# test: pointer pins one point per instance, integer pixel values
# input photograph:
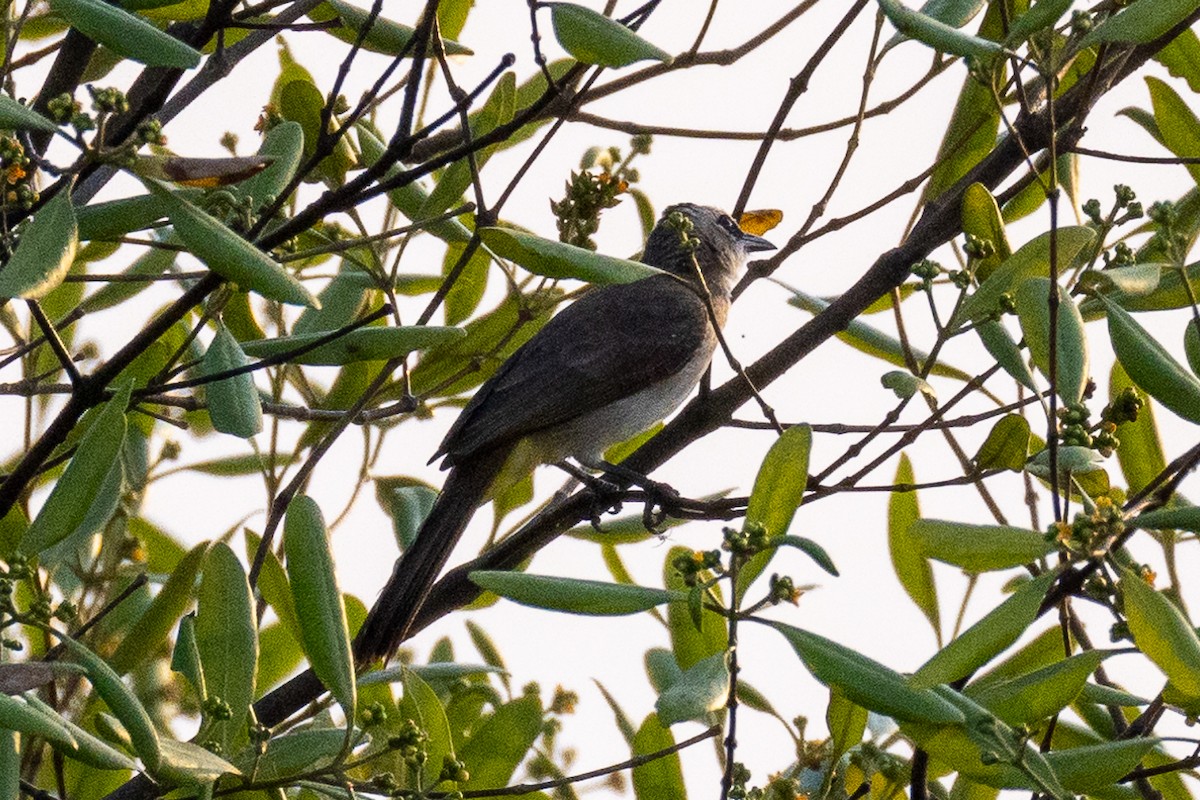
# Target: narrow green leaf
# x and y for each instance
(1176, 123)
(126, 34)
(1191, 345)
(702, 688)
(1187, 519)
(457, 178)
(188, 764)
(294, 753)
(811, 549)
(318, 600)
(909, 562)
(10, 764)
(284, 145)
(45, 251)
(558, 260)
(1094, 768)
(185, 657)
(937, 35)
(981, 219)
(421, 704)
(363, 344)
(593, 38)
(121, 700)
(661, 777)
(114, 218)
(89, 749)
(868, 339)
(144, 639)
(984, 640)
(1070, 346)
(17, 116)
(1042, 15)
(1032, 260)
(226, 641)
(978, 548)
(847, 723)
(500, 743)
(408, 503)
(619, 716)
(1136, 280)
(1006, 445)
(233, 403)
(1182, 58)
(573, 595)
(865, 681)
(778, 491)
(230, 255)
(1141, 22)
(1151, 367)
(692, 639)
(16, 715)
(81, 482)
(955, 13)
(1001, 347)
(384, 36)
(1163, 634)
(1037, 695)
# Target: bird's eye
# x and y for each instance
(730, 226)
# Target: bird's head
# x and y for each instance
(719, 245)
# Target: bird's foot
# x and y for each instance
(606, 495)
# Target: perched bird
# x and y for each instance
(607, 367)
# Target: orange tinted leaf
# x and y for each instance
(760, 220)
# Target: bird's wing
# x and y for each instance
(609, 344)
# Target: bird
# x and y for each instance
(607, 367)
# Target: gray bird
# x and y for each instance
(607, 367)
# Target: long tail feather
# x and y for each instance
(390, 621)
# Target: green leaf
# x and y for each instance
(500, 743)
(185, 657)
(294, 753)
(1187, 519)
(865, 681)
(16, 715)
(702, 688)
(1070, 345)
(226, 641)
(905, 384)
(978, 548)
(408, 503)
(981, 218)
(421, 704)
(88, 749)
(1136, 280)
(559, 260)
(1001, 347)
(1032, 260)
(497, 110)
(1151, 367)
(1041, 16)
(81, 482)
(187, 764)
(692, 639)
(17, 116)
(593, 38)
(44, 253)
(1006, 445)
(955, 13)
(229, 255)
(1181, 57)
(658, 778)
(467, 291)
(121, 700)
(1141, 22)
(1163, 634)
(284, 145)
(114, 218)
(143, 640)
(811, 549)
(1177, 124)
(318, 600)
(126, 34)
(909, 562)
(847, 723)
(1191, 345)
(384, 36)
(363, 344)
(984, 640)
(1033, 196)
(1037, 695)
(233, 403)
(868, 339)
(778, 491)
(937, 35)
(302, 102)
(574, 595)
